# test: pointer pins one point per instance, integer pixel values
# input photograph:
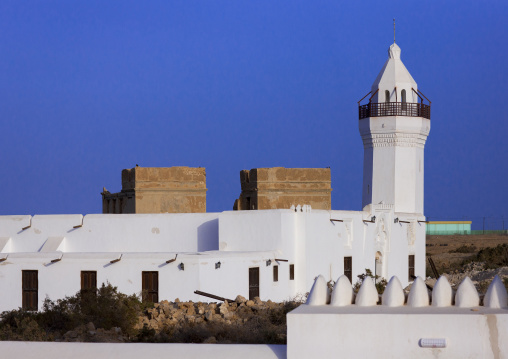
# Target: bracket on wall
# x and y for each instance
(57, 260)
(3, 259)
(172, 260)
(80, 225)
(397, 220)
(423, 221)
(336, 220)
(268, 262)
(372, 220)
(281, 260)
(30, 225)
(116, 260)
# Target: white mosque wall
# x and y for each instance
(113, 232)
(313, 241)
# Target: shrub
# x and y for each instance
(494, 257)
(464, 249)
(105, 307)
(380, 282)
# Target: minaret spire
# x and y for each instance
(394, 31)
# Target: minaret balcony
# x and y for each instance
(373, 109)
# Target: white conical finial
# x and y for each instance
(367, 295)
(418, 295)
(467, 295)
(342, 292)
(393, 296)
(319, 293)
(442, 293)
(496, 296)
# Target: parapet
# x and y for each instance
(159, 190)
(280, 188)
(423, 325)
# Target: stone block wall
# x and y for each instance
(158, 190)
(280, 188)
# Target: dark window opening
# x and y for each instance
(348, 268)
(253, 283)
(403, 99)
(387, 96)
(247, 202)
(291, 272)
(88, 280)
(411, 271)
(275, 273)
(30, 286)
(150, 286)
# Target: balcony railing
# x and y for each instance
(373, 109)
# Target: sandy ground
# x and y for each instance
(439, 247)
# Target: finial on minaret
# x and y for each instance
(394, 31)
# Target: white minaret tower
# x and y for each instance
(394, 126)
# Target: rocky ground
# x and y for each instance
(241, 321)
(452, 256)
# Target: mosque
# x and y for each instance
(281, 235)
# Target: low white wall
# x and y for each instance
(382, 332)
(37, 350)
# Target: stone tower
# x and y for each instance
(394, 126)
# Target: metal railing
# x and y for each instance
(373, 109)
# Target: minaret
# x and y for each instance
(394, 125)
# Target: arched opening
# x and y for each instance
(379, 265)
(403, 99)
(387, 96)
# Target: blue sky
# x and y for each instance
(91, 87)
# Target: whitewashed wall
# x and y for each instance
(306, 238)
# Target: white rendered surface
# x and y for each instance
(239, 240)
(393, 295)
(393, 145)
(342, 293)
(467, 295)
(319, 292)
(367, 295)
(418, 295)
(37, 350)
(442, 293)
(394, 77)
(496, 296)
(395, 332)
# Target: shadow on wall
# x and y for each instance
(208, 236)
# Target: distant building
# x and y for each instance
(281, 188)
(158, 190)
(449, 227)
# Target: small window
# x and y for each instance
(88, 280)
(348, 268)
(275, 273)
(387, 96)
(411, 271)
(403, 95)
(291, 272)
(150, 286)
(30, 287)
(247, 203)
